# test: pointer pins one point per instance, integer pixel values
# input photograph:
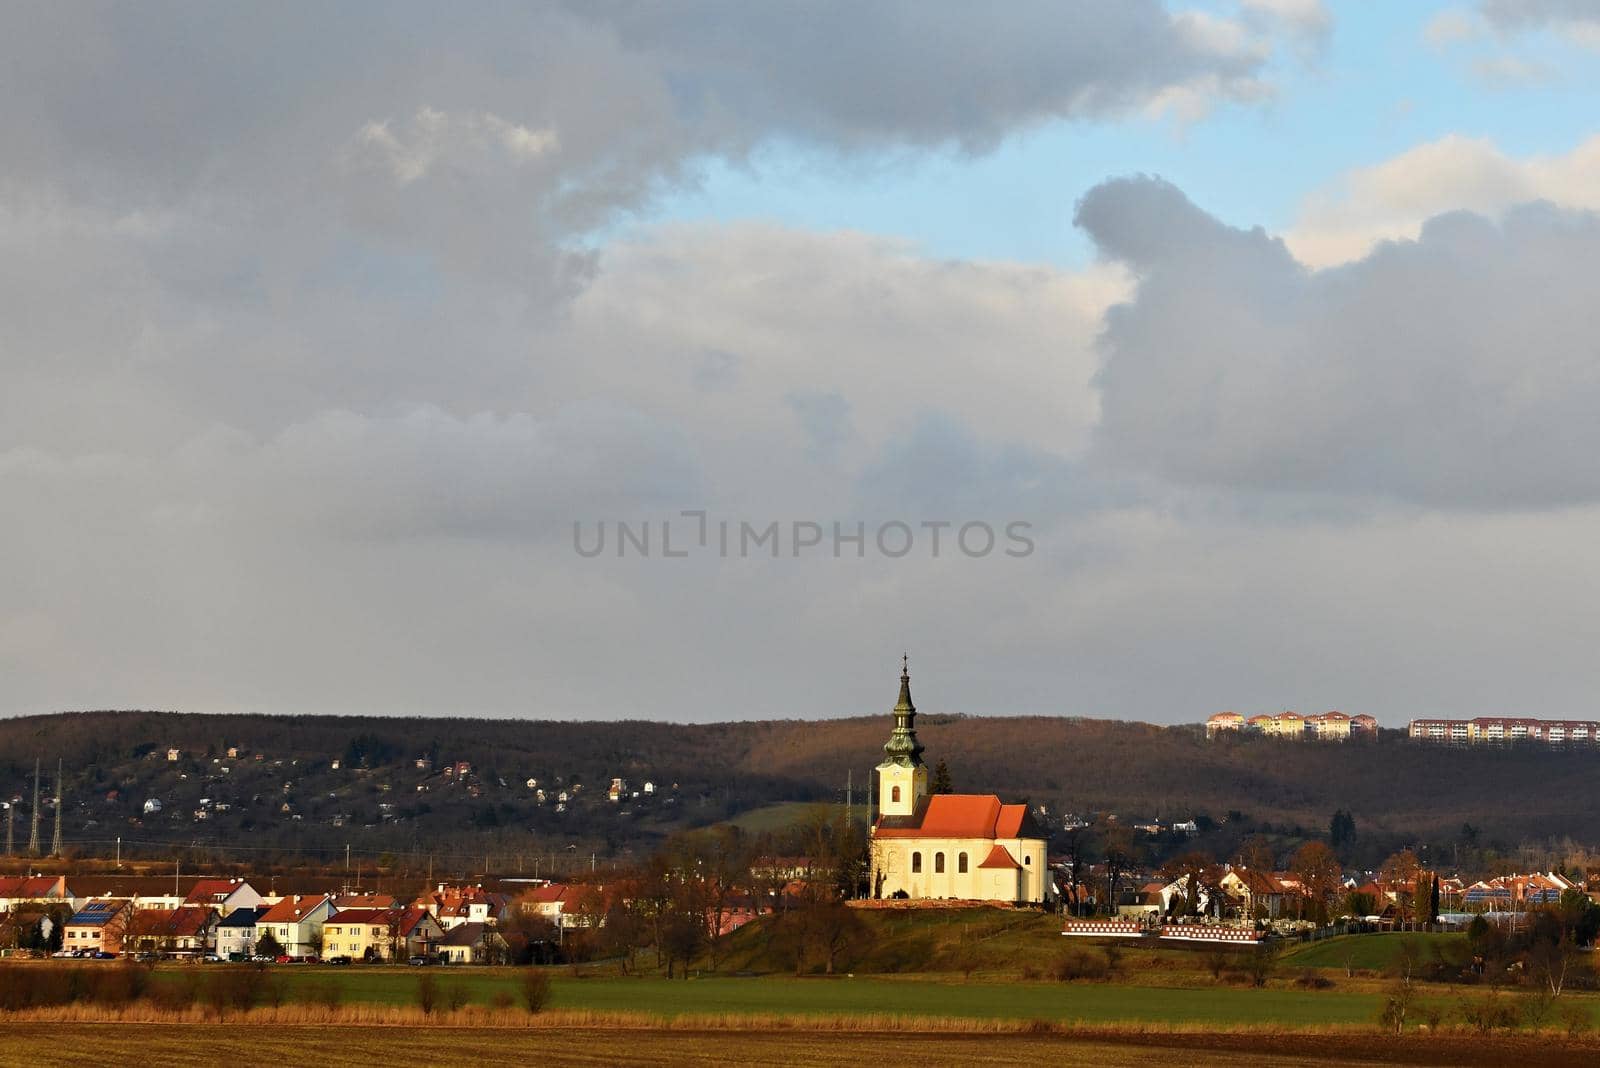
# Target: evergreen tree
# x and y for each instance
(941, 779)
(1341, 829)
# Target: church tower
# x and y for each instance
(902, 777)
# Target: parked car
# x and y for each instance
(103, 955)
(420, 961)
(338, 960)
(211, 958)
(263, 958)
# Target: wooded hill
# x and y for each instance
(116, 761)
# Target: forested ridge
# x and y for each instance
(115, 761)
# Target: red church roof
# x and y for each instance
(999, 858)
(958, 816)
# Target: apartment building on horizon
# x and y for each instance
(1504, 729)
(1327, 726)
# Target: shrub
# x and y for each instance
(1537, 1008)
(1311, 979)
(535, 989)
(427, 993)
(1080, 964)
(502, 999)
(1113, 952)
(1576, 1020)
(456, 996)
(1259, 966)
(1487, 1013)
(330, 994)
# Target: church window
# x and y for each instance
(938, 863)
(894, 794)
(961, 863)
(1027, 858)
(916, 863)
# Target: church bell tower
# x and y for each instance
(902, 777)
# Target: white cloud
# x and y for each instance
(460, 142)
(1391, 200)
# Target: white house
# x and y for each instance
(296, 922)
(236, 932)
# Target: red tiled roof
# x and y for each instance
(963, 816)
(209, 890)
(999, 858)
(1258, 882)
(411, 917)
(291, 909)
(361, 916)
(182, 922)
(545, 895)
(364, 901)
(29, 886)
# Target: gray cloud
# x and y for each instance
(1526, 14)
(1453, 370)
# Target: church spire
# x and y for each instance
(902, 748)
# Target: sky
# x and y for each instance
(695, 361)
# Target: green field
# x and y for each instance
(1370, 952)
(785, 815)
(844, 996)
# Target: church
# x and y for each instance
(969, 847)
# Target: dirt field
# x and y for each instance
(213, 1044)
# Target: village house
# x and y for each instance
(362, 934)
(456, 905)
(296, 923)
(18, 890)
(961, 846)
(550, 902)
(471, 943)
(419, 932)
(236, 932)
(185, 931)
(97, 926)
(224, 895)
(1257, 895)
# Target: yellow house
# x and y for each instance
(353, 932)
(967, 847)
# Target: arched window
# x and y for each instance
(938, 864)
(961, 863)
(894, 793)
(916, 863)
(1027, 858)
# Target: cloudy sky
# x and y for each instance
(324, 330)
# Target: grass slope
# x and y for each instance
(1371, 952)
